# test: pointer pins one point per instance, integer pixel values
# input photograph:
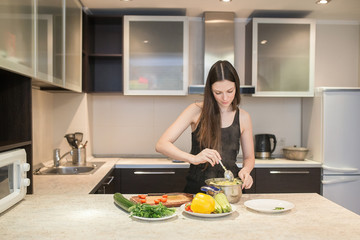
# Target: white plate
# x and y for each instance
(155, 219)
(269, 205)
(152, 219)
(212, 215)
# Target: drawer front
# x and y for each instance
(287, 180)
(106, 185)
(152, 180)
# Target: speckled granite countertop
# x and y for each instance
(61, 208)
(84, 216)
(72, 184)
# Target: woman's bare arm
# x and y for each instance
(247, 146)
(165, 144)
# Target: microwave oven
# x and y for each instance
(13, 180)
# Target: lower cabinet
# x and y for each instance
(150, 180)
(287, 180)
(165, 180)
(106, 185)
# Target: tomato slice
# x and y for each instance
(143, 200)
(164, 196)
(157, 201)
(163, 200)
(142, 196)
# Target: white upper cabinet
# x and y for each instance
(73, 45)
(50, 41)
(17, 36)
(155, 55)
(58, 44)
(42, 39)
(280, 56)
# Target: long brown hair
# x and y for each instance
(209, 134)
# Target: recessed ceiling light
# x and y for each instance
(125, 0)
(225, 0)
(322, 1)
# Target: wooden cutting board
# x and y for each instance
(173, 199)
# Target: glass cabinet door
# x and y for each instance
(17, 36)
(283, 57)
(155, 55)
(73, 39)
(49, 39)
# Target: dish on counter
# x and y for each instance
(212, 215)
(224, 182)
(155, 219)
(150, 219)
(269, 205)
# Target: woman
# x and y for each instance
(218, 127)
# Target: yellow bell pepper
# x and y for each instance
(203, 203)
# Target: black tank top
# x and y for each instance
(230, 144)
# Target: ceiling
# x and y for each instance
(335, 10)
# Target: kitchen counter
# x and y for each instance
(72, 184)
(285, 163)
(85, 216)
(68, 184)
(61, 208)
(166, 163)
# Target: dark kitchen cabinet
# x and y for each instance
(16, 117)
(102, 53)
(164, 180)
(287, 180)
(150, 180)
(106, 185)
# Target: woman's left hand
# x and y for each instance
(246, 179)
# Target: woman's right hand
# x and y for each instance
(207, 155)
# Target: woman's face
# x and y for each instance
(224, 92)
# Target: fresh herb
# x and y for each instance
(151, 211)
(279, 208)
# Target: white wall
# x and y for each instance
(131, 125)
(126, 125)
(337, 54)
(42, 121)
(54, 115)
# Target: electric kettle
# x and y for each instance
(264, 147)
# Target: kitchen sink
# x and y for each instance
(89, 168)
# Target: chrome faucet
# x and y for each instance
(57, 157)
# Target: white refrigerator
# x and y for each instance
(331, 131)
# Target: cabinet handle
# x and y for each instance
(289, 172)
(153, 173)
(109, 181)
